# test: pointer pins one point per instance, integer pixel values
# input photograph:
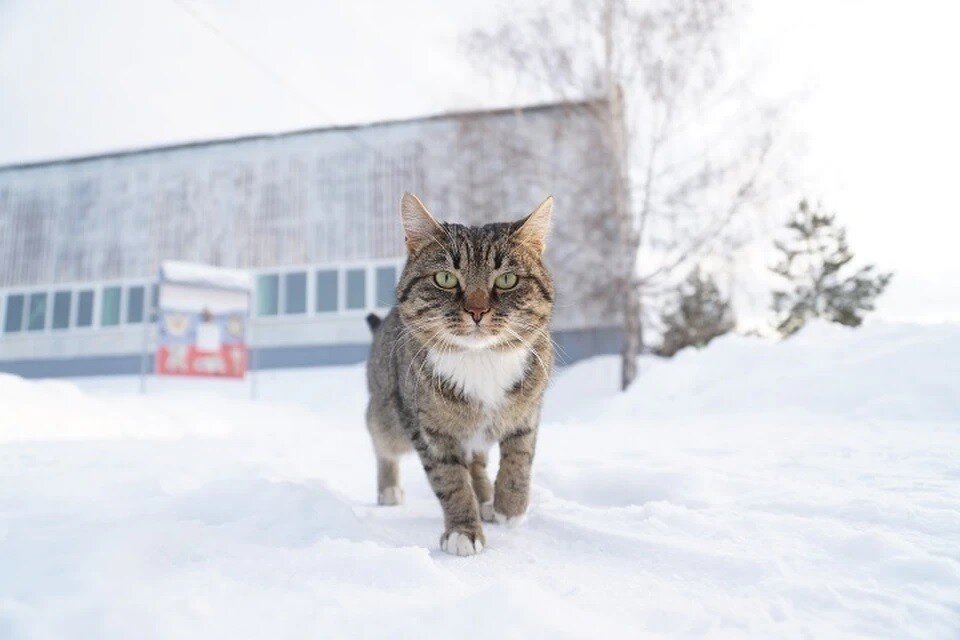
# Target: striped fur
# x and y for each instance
(448, 386)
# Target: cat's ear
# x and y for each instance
(419, 227)
(532, 230)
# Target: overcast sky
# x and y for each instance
(879, 119)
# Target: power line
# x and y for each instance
(278, 78)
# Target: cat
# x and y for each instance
(460, 363)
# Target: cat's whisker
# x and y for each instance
(433, 338)
(545, 334)
(543, 365)
(541, 332)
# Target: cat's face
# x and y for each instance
(474, 287)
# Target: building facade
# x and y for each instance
(312, 214)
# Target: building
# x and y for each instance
(312, 214)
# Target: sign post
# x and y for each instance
(203, 319)
(143, 352)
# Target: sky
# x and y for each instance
(873, 89)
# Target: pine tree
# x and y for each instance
(815, 257)
(699, 314)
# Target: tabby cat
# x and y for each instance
(461, 363)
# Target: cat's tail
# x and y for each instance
(373, 321)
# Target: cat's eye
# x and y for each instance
(445, 279)
(506, 281)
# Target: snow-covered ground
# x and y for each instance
(803, 489)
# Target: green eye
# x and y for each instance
(506, 281)
(445, 279)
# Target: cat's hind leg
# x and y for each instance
(389, 491)
(388, 445)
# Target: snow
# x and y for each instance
(205, 275)
(809, 488)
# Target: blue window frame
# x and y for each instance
(356, 288)
(85, 308)
(268, 295)
(327, 288)
(61, 309)
(37, 317)
(110, 307)
(13, 320)
(154, 301)
(295, 293)
(135, 298)
(386, 282)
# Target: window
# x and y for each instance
(135, 304)
(295, 292)
(37, 319)
(154, 301)
(85, 308)
(356, 289)
(386, 286)
(327, 290)
(61, 309)
(13, 321)
(110, 307)
(268, 298)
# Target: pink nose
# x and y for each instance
(476, 312)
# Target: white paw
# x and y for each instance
(390, 496)
(509, 521)
(460, 544)
(486, 511)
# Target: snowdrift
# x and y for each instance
(876, 372)
(751, 489)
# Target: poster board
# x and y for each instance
(203, 317)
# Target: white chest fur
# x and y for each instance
(483, 375)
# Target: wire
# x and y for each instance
(277, 77)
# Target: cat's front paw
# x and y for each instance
(462, 543)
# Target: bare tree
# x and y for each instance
(686, 145)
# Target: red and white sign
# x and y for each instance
(203, 313)
(227, 362)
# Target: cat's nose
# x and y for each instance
(476, 303)
(476, 312)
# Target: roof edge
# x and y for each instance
(121, 153)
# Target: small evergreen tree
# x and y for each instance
(698, 314)
(813, 256)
